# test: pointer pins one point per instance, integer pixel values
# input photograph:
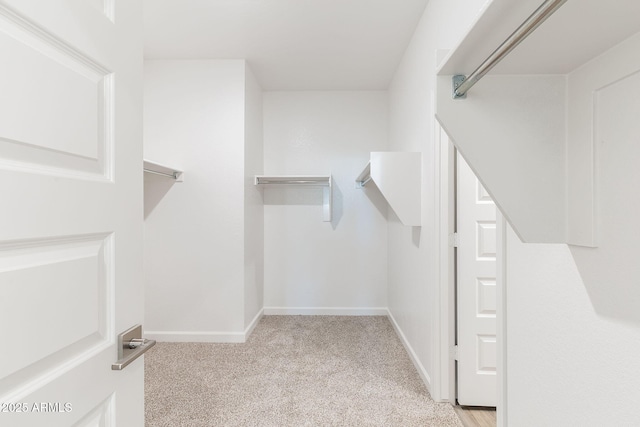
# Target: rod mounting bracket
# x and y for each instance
(456, 82)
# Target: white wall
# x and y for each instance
(254, 208)
(313, 266)
(413, 267)
(564, 355)
(194, 241)
(573, 322)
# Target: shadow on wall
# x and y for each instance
(155, 188)
(305, 196)
(611, 271)
(337, 205)
(373, 193)
(612, 282)
(416, 234)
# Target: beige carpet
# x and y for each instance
(292, 371)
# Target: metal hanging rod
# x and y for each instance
(364, 181)
(293, 180)
(290, 181)
(462, 84)
(169, 175)
(364, 177)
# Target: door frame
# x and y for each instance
(443, 384)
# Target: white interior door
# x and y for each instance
(71, 217)
(476, 290)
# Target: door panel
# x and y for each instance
(45, 275)
(476, 290)
(64, 91)
(71, 185)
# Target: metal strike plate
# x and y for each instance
(131, 345)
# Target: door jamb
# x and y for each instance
(443, 304)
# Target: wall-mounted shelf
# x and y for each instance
(398, 176)
(162, 170)
(323, 181)
(529, 128)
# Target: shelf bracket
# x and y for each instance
(162, 170)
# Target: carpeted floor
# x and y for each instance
(292, 371)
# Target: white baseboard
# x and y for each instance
(412, 354)
(325, 311)
(253, 324)
(213, 337)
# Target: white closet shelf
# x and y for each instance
(162, 170)
(548, 50)
(323, 181)
(527, 129)
(398, 176)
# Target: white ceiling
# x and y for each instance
(289, 44)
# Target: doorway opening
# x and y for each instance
(484, 298)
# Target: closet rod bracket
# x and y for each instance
(457, 80)
(360, 184)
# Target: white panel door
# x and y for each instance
(476, 290)
(71, 217)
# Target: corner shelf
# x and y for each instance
(162, 170)
(323, 181)
(398, 176)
